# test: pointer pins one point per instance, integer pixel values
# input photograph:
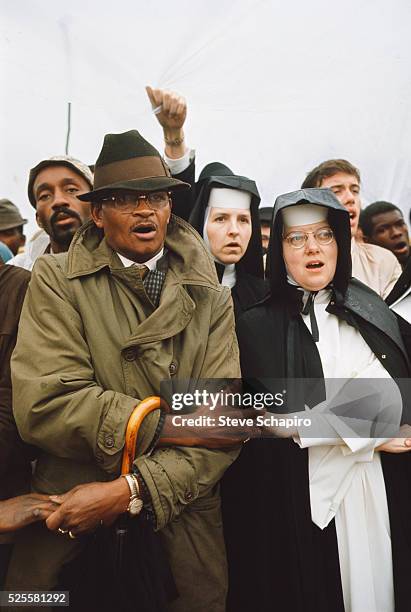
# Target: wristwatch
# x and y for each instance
(135, 505)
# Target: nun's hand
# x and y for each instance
(83, 508)
(223, 427)
(402, 444)
(275, 425)
(215, 419)
(17, 512)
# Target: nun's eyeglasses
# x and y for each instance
(323, 236)
(128, 202)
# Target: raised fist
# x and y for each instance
(173, 112)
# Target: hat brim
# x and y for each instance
(148, 184)
(265, 217)
(8, 226)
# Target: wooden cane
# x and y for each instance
(136, 418)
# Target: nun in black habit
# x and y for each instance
(334, 535)
(225, 214)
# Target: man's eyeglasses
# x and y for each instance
(298, 240)
(128, 202)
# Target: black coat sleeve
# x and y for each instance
(183, 200)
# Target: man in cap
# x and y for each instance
(135, 301)
(53, 187)
(374, 266)
(11, 226)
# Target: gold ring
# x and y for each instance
(71, 535)
(62, 531)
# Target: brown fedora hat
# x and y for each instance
(128, 161)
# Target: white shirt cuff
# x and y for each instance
(181, 163)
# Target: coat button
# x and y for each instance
(383, 356)
(332, 303)
(188, 496)
(109, 441)
(172, 368)
(129, 354)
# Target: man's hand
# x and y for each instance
(174, 108)
(402, 444)
(171, 114)
(84, 508)
(18, 512)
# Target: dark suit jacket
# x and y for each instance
(398, 290)
(14, 455)
(401, 285)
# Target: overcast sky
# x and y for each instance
(273, 88)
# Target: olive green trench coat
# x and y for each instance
(90, 346)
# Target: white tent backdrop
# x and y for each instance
(273, 87)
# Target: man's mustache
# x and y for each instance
(64, 213)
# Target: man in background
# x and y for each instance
(11, 226)
(17, 507)
(265, 214)
(371, 264)
(383, 224)
(54, 185)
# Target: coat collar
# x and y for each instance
(189, 263)
(189, 258)
(365, 303)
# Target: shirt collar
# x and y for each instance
(151, 263)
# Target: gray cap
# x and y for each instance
(10, 215)
(58, 160)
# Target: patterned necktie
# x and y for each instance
(153, 282)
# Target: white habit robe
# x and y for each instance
(346, 478)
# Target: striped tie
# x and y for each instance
(142, 269)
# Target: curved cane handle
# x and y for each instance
(136, 418)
